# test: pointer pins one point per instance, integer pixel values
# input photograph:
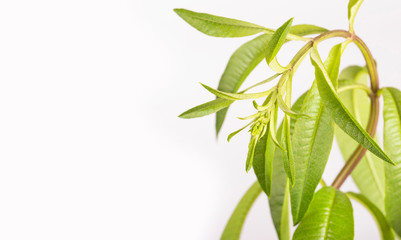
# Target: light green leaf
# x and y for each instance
(312, 141)
(289, 165)
(385, 229)
(339, 113)
(392, 144)
(220, 26)
(263, 161)
(277, 41)
(353, 7)
(206, 108)
(369, 173)
(236, 132)
(287, 110)
(330, 216)
(224, 27)
(233, 228)
(306, 29)
(269, 170)
(236, 96)
(251, 153)
(240, 65)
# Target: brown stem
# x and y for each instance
(374, 114)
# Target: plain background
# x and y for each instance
(90, 143)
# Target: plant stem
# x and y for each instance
(374, 96)
(374, 113)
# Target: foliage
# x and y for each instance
(289, 159)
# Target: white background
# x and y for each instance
(90, 143)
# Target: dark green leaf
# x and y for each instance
(206, 108)
(277, 41)
(233, 228)
(312, 141)
(306, 29)
(339, 113)
(385, 229)
(330, 216)
(392, 144)
(369, 173)
(240, 65)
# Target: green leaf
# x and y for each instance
(288, 111)
(289, 165)
(385, 229)
(279, 197)
(339, 113)
(240, 65)
(277, 41)
(236, 96)
(368, 175)
(263, 161)
(220, 26)
(312, 141)
(236, 132)
(206, 108)
(233, 228)
(306, 29)
(251, 153)
(269, 169)
(330, 216)
(392, 144)
(224, 27)
(353, 7)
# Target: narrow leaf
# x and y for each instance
(392, 144)
(220, 26)
(269, 169)
(240, 65)
(236, 96)
(289, 165)
(251, 153)
(353, 7)
(233, 228)
(369, 173)
(206, 108)
(339, 113)
(277, 41)
(312, 141)
(306, 29)
(287, 110)
(385, 229)
(263, 161)
(236, 132)
(330, 216)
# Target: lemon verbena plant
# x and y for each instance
(289, 158)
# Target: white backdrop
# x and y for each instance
(90, 143)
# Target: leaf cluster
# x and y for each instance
(289, 158)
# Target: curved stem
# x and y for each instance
(374, 96)
(374, 114)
